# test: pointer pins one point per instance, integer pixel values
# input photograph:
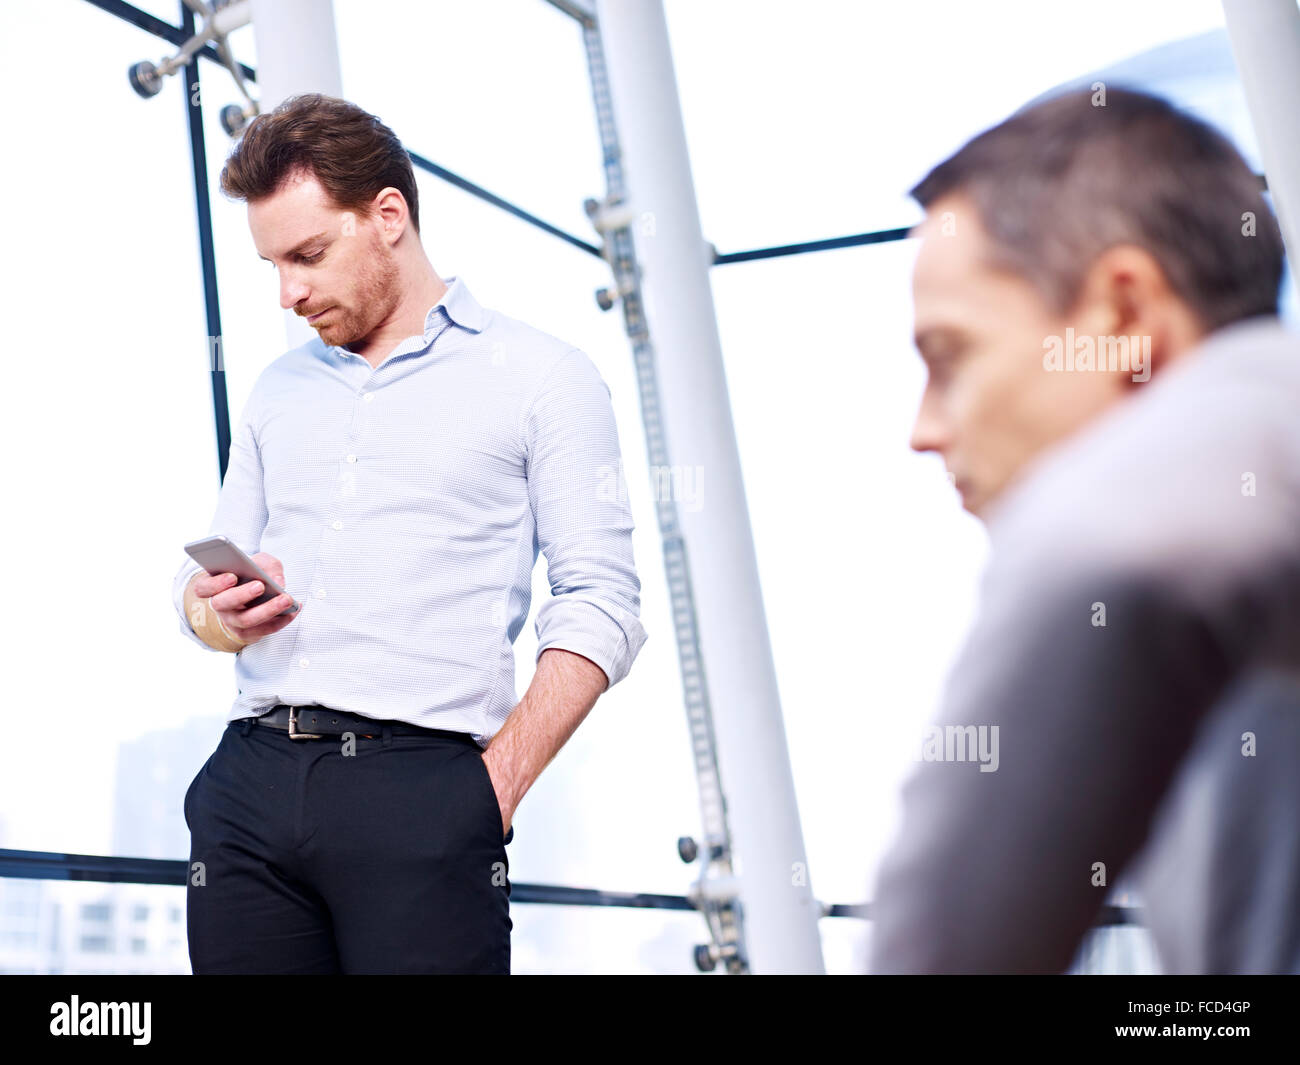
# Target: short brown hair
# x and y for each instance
(1060, 181)
(352, 154)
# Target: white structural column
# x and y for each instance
(780, 911)
(1265, 37)
(297, 52)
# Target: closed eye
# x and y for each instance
(940, 370)
(309, 259)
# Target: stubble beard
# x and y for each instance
(377, 296)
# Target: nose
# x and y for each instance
(929, 432)
(292, 290)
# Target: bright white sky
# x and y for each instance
(804, 121)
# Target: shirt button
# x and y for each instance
(320, 593)
(337, 525)
(369, 396)
(302, 662)
(352, 458)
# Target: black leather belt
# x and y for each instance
(317, 722)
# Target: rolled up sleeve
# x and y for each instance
(583, 521)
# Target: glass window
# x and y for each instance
(814, 124)
(800, 126)
(112, 307)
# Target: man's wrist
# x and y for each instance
(206, 622)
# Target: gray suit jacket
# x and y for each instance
(1139, 613)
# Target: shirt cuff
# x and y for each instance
(608, 636)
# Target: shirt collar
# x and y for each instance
(459, 305)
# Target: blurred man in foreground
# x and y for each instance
(1096, 299)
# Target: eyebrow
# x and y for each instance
(298, 247)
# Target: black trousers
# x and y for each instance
(305, 858)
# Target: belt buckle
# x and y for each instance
(294, 734)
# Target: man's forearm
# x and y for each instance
(564, 689)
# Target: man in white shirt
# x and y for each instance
(1095, 300)
(398, 475)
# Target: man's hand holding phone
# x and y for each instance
(230, 601)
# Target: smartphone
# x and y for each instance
(218, 554)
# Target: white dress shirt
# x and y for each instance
(408, 503)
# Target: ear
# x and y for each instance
(1125, 290)
(1129, 294)
(391, 213)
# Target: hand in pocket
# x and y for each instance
(487, 770)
